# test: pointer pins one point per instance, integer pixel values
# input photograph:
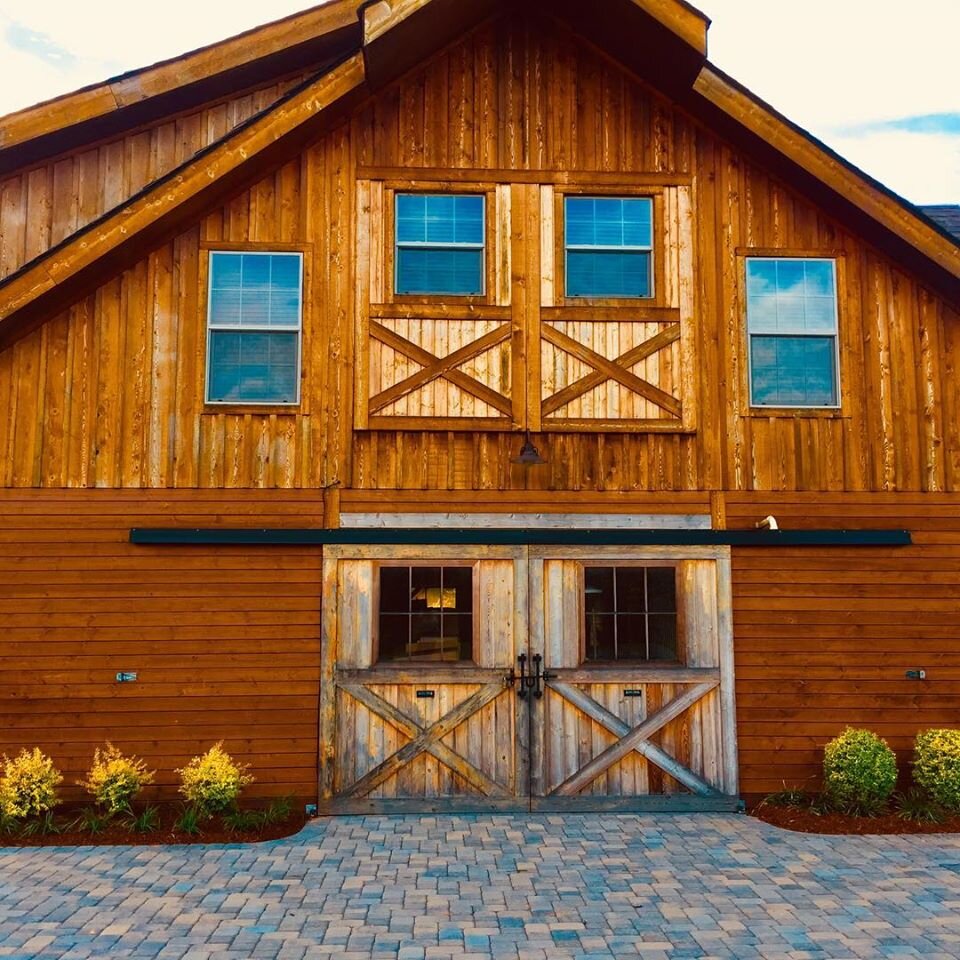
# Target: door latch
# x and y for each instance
(527, 682)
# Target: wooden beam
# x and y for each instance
(73, 268)
(434, 733)
(645, 748)
(590, 771)
(161, 79)
(760, 119)
(436, 748)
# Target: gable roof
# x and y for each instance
(314, 37)
(663, 41)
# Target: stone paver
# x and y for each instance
(476, 887)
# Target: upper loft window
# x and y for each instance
(609, 247)
(792, 326)
(254, 321)
(630, 613)
(440, 244)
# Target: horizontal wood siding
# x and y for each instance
(110, 393)
(823, 638)
(225, 641)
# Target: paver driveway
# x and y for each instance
(492, 886)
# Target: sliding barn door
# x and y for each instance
(416, 714)
(638, 673)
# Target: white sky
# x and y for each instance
(856, 73)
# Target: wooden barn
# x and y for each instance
(469, 404)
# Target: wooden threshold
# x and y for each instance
(661, 803)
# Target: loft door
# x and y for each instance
(416, 713)
(478, 678)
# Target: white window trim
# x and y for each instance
(254, 328)
(608, 248)
(427, 245)
(835, 334)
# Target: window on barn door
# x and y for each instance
(630, 613)
(440, 246)
(792, 328)
(426, 613)
(608, 245)
(254, 325)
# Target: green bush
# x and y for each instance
(212, 783)
(859, 772)
(29, 784)
(115, 780)
(936, 766)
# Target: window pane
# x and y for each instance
(394, 635)
(761, 277)
(663, 636)
(762, 309)
(395, 589)
(459, 581)
(608, 222)
(285, 271)
(253, 367)
(425, 589)
(599, 636)
(631, 637)
(256, 272)
(445, 271)
(607, 274)
(411, 218)
(790, 277)
(661, 589)
(631, 590)
(794, 371)
(819, 280)
(598, 587)
(225, 307)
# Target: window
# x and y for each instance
(609, 243)
(426, 613)
(630, 613)
(440, 244)
(253, 323)
(792, 326)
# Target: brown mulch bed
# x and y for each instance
(213, 831)
(805, 821)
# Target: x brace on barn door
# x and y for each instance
(530, 686)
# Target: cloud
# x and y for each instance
(40, 45)
(928, 123)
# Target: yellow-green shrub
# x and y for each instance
(936, 765)
(859, 771)
(114, 780)
(29, 784)
(213, 782)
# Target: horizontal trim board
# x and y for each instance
(526, 521)
(521, 536)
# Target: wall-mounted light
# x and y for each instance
(529, 455)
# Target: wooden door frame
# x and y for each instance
(529, 614)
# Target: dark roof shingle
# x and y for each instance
(947, 215)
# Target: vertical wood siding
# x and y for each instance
(44, 205)
(110, 393)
